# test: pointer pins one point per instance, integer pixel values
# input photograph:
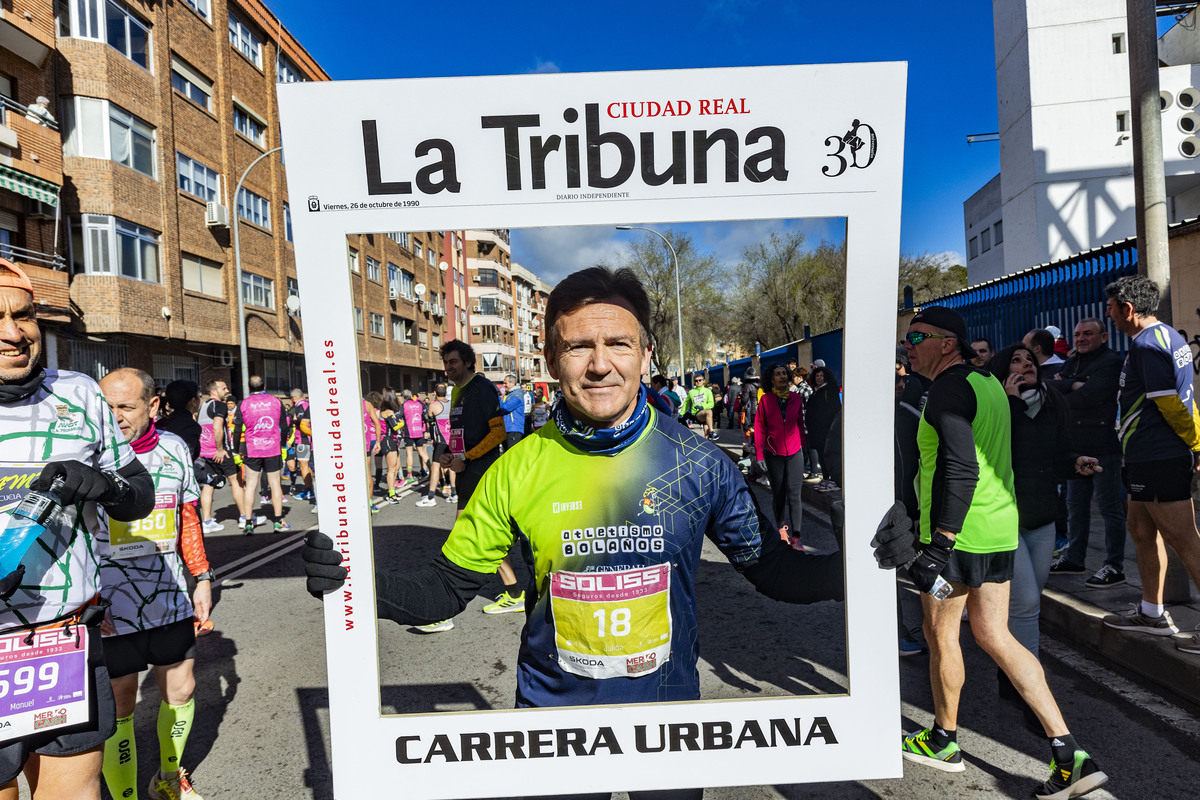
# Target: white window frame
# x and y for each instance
(131, 21)
(374, 273)
(287, 222)
(256, 288)
(243, 39)
(376, 324)
(88, 19)
(101, 238)
(197, 174)
(194, 83)
(249, 125)
(209, 275)
(254, 208)
(202, 7)
(358, 319)
(399, 237)
(99, 144)
(352, 257)
(286, 70)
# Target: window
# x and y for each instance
(376, 324)
(249, 125)
(97, 359)
(102, 245)
(1118, 43)
(195, 178)
(245, 40)
(403, 330)
(191, 84)
(431, 257)
(973, 248)
(490, 305)
(253, 208)
(985, 240)
(277, 374)
(358, 319)
(126, 139)
(176, 368)
(491, 361)
(258, 291)
(287, 222)
(202, 275)
(437, 340)
(352, 256)
(999, 229)
(202, 8)
(489, 277)
(416, 249)
(1122, 121)
(293, 290)
(373, 271)
(406, 282)
(286, 71)
(424, 338)
(399, 238)
(106, 21)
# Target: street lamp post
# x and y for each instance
(237, 261)
(678, 301)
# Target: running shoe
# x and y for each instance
(314, 508)
(1135, 620)
(812, 477)
(212, 526)
(506, 604)
(453, 498)
(1189, 645)
(911, 647)
(174, 787)
(374, 508)
(1060, 566)
(916, 748)
(426, 502)
(241, 522)
(248, 529)
(435, 627)
(391, 498)
(1106, 577)
(282, 526)
(1075, 781)
(266, 499)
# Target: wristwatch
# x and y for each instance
(207, 575)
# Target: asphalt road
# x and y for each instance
(261, 727)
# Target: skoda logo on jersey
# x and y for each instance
(650, 501)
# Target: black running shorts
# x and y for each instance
(976, 569)
(265, 464)
(1164, 481)
(158, 647)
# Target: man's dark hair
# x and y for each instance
(464, 350)
(179, 393)
(256, 383)
(1137, 290)
(596, 285)
(986, 341)
(1042, 339)
(658, 379)
(212, 385)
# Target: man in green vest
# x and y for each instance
(968, 535)
(700, 401)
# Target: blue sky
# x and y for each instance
(948, 47)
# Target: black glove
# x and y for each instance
(80, 483)
(930, 562)
(322, 565)
(762, 466)
(895, 538)
(10, 582)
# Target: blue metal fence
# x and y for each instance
(1059, 293)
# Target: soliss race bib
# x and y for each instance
(612, 624)
(43, 681)
(154, 534)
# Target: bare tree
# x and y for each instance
(930, 276)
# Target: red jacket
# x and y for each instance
(776, 433)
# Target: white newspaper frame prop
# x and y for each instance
(413, 155)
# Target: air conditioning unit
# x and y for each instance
(393, 293)
(475, 330)
(425, 305)
(475, 279)
(40, 210)
(216, 215)
(224, 357)
(475, 309)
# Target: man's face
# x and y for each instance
(220, 391)
(509, 384)
(983, 353)
(456, 371)
(1088, 337)
(20, 336)
(599, 361)
(1122, 316)
(925, 357)
(1037, 351)
(124, 396)
(698, 382)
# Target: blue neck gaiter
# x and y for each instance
(603, 441)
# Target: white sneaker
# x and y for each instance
(212, 526)
(314, 508)
(426, 502)
(435, 627)
(259, 519)
(241, 522)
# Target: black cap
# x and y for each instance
(948, 320)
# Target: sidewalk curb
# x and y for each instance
(1151, 657)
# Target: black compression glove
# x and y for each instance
(322, 565)
(895, 539)
(81, 483)
(10, 582)
(762, 466)
(930, 562)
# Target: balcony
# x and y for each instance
(34, 148)
(51, 283)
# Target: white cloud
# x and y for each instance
(554, 253)
(952, 257)
(545, 66)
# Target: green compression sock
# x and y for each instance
(174, 725)
(120, 761)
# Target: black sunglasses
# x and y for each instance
(916, 337)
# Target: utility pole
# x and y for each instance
(1150, 189)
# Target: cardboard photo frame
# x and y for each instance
(567, 149)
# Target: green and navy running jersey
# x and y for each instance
(612, 543)
(66, 419)
(150, 590)
(1159, 364)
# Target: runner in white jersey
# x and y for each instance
(52, 424)
(265, 425)
(150, 619)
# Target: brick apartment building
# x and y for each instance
(117, 199)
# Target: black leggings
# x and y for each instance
(786, 474)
